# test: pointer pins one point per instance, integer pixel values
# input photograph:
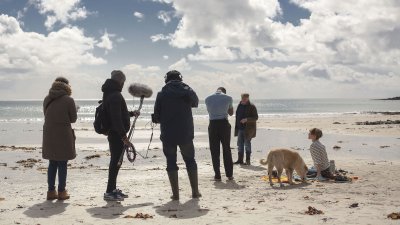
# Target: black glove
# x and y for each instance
(154, 119)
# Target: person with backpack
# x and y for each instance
(58, 144)
(118, 122)
(173, 110)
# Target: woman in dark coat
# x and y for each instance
(58, 136)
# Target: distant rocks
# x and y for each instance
(394, 98)
(386, 113)
(379, 122)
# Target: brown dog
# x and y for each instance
(285, 159)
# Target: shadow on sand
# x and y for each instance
(230, 184)
(174, 209)
(46, 209)
(254, 168)
(289, 187)
(112, 210)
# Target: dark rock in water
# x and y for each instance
(386, 113)
(394, 98)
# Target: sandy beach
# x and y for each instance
(369, 152)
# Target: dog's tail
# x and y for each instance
(263, 161)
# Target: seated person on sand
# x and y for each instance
(319, 155)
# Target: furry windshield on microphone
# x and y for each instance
(140, 90)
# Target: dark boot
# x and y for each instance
(248, 158)
(194, 183)
(173, 179)
(240, 159)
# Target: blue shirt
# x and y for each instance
(218, 105)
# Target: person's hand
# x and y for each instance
(126, 141)
(135, 113)
(243, 120)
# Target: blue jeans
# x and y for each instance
(242, 143)
(61, 166)
(187, 151)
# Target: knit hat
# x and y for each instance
(118, 76)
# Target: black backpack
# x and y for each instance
(101, 123)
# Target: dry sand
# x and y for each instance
(372, 153)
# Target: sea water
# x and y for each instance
(32, 110)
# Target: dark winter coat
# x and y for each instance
(59, 112)
(173, 110)
(250, 129)
(115, 107)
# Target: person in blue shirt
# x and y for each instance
(219, 106)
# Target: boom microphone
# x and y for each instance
(140, 90)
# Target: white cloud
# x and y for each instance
(341, 44)
(165, 57)
(236, 23)
(105, 42)
(137, 69)
(213, 53)
(138, 15)
(180, 65)
(164, 16)
(60, 11)
(159, 37)
(66, 48)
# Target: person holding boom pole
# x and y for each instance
(119, 121)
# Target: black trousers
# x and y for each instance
(116, 149)
(187, 151)
(219, 132)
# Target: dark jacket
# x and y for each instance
(59, 112)
(251, 128)
(115, 107)
(173, 110)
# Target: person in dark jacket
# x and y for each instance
(58, 136)
(119, 119)
(173, 110)
(245, 127)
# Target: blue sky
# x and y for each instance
(269, 48)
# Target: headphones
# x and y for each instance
(173, 75)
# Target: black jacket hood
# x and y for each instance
(109, 87)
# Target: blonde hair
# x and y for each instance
(317, 132)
